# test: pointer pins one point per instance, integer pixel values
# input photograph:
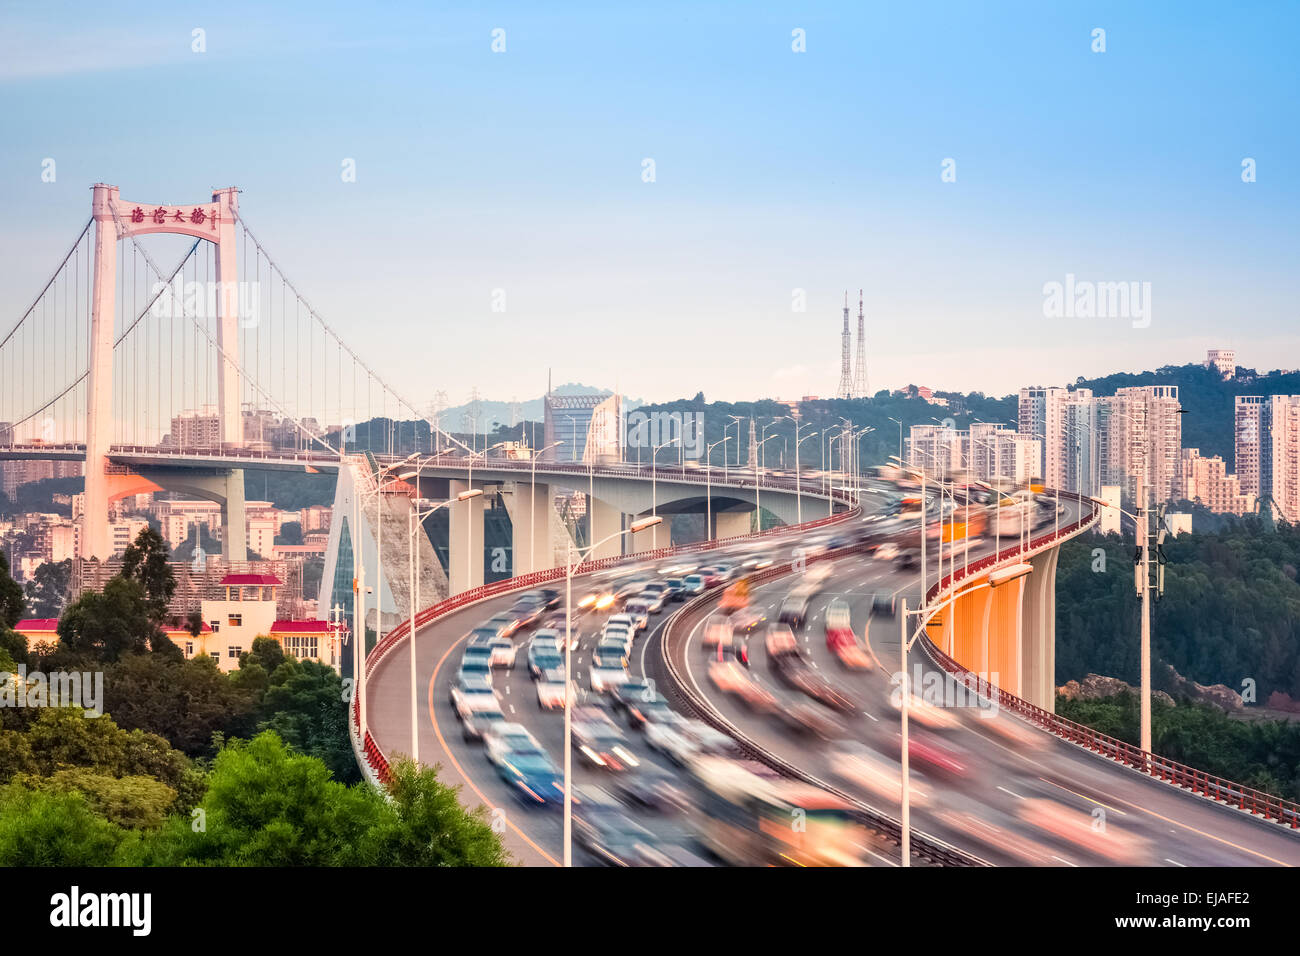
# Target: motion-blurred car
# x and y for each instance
(605, 679)
(505, 623)
(854, 763)
(806, 717)
(676, 589)
(809, 682)
(794, 609)
(717, 632)
(476, 665)
(654, 594)
(556, 633)
(653, 789)
(634, 690)
(748, 620)
(536, 780)
(612, 651)
(505, 737)
(477, 715)
(602, 742)
(550, 689)
(618, 622)
(544, 657)
(936, 757)
(730, 677)
(841, 641)
(546, 597)
(642, 712)
(924, 713)
(693, 585)
(639, 611)
(503, 653)
(602, 828)
(882, 602)
(1076, 827)
(473, 691)
(524, 614)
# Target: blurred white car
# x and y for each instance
(605, 679)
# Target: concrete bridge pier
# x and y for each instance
(729, 524)
(1038, 648)
(465, 540)
(234, 526)
(532, 513)
(605, 520)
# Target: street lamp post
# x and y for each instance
(414, 521)
(532, 503)
(995, 579)
(708, 483)
(758, 499)
(469, 558)
(570, 569)
(798, 491)
(900, 437)
(654, 490)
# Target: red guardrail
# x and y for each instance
(375, 756)
(1234, 794)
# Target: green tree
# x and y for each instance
(307, 710)
(427, 826)
(133, 802)
(267, 806)
(184, 702)
(47, 591)
(38, 828)
(105, 625)
(145, 560)
(11, 595)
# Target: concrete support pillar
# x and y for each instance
(531, 522)
(729, 524)
(465, 540)
(234, 534)
(1005, 637)
(605, 520)
(1038, 663)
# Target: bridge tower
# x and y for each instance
(117, 219)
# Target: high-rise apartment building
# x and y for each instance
(1140, 436)
(1042, 416)
(1206, 481)
(1268, 450)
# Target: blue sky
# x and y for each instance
(775, 171)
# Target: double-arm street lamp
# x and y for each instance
(532, 504)
(758, 499)
(995, 579)
(798, 491)
(569, 684)
(654, 489)
(708, 483)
